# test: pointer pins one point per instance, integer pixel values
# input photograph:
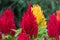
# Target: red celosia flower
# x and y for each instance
(23, 36)
(29, 24)
(58, 25)
(52, 27)
(7, 22)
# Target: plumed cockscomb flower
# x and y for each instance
(52, 28)
(38, 13)
(7, 22)
(29, 24)
(22, 36)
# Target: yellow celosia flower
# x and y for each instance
(38, 13)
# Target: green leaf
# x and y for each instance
(17, 32)
(3, 37)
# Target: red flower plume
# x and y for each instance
(28, 23)
(7, 22)
(52, 28)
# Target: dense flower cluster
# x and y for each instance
(29, 24)
(38, 13)
(53, 27)
(23, 36)
(7, 22)
(31, 19)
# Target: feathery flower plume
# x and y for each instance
(28, 23)
(7, 22)
(38, 13)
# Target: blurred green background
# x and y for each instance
(20, 6)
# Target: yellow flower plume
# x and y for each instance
(38, 13)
